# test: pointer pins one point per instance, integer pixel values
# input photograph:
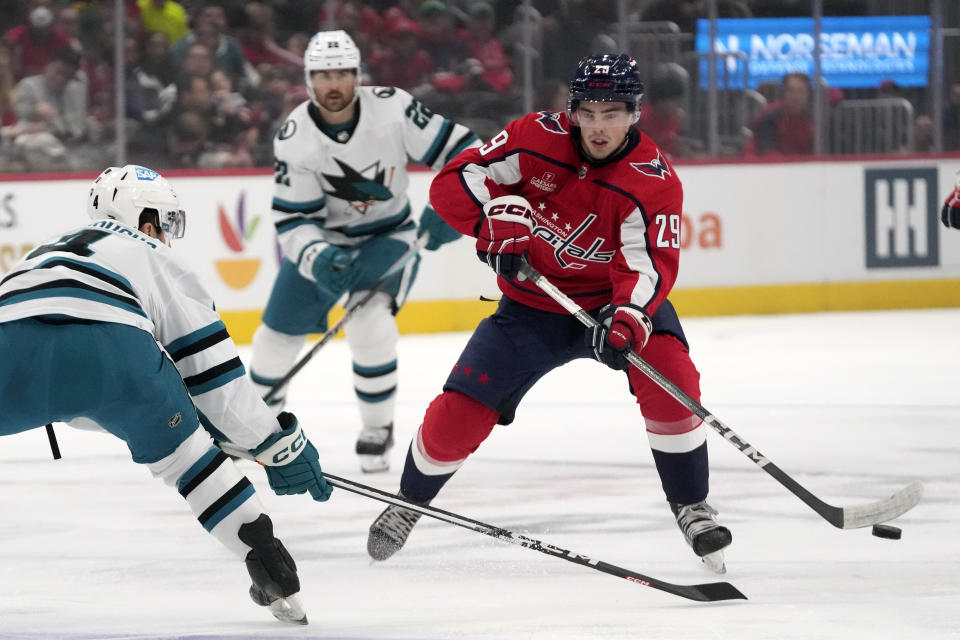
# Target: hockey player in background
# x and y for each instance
(86, 312)
(950, 214)
(343, 219)
(595, 207)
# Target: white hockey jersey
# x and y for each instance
(344, 191)
(109, 272)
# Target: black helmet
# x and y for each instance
(606, 78)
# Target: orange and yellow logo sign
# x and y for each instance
(237, 272)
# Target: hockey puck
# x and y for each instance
(886, 531)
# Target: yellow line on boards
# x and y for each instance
(437, 316)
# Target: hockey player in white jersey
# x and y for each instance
(81, 317)
(343, 219)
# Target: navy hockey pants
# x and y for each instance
(113, 374)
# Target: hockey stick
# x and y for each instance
(380, 285)
(52, 437)
(708, 592)
(840, 517)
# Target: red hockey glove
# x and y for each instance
(950, 215)
(620, 329)
(504, 234)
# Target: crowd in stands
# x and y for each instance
(208, 82)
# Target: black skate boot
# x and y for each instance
(273, 571)
(373, 448)
(700, 529)
(390, 530)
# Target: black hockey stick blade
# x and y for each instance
(841, 517)
(709, 592)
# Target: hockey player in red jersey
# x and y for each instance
(950, 214)
(595, 207)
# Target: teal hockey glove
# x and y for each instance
(440, 232)
(291, 461)
(335, 270)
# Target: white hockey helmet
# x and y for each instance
(123, 193)
(330, 50)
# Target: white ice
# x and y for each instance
(852, 405)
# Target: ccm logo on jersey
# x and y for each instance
(656, 168)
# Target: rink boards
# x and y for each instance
(757, 238)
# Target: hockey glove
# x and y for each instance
(504, 234)
(440, 232)
(620, 329)
(335, 270)
(291, 461)
(950, 215)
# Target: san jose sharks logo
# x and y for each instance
(656, 168)
(358, 189)
(550, 120)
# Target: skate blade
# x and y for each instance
(715, 562)
(289, 609)
(373, 464)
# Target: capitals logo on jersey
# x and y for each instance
(656, 168)
(356, 188)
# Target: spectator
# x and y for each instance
(255, 34)
(786, 126)
(403, 62)
(487, 67)
(51, 111)
(154, 94)
(198, 61)
(438, 34)
(662, 113)
(33, 44)
(68, 19)
(922, 134)
(166, 16)
(951, 119)
(210, 31)
(7, 82)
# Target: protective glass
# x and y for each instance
(601, 115)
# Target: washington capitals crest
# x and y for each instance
(656, 168)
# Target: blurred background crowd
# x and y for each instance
(205, 84)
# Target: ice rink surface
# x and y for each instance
(852, 405)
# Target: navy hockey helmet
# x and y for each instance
(607, 78)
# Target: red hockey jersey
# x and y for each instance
(605, 232)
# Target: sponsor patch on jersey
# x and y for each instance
(656, 168)
(545, 182)
(384, 92)
(287, 130)
(148, 175)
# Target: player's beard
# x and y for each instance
(335, 101)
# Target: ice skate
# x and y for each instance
(699, 526)
(273, 572)
(390, 530)
(373, 448)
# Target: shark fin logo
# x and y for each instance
(237, 272)
(357, 188)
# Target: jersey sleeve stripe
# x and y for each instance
(197, 341)
(465, 141)
(297, 221)
(108, 276)
(288, 206)
(68, 288)
(438, 143)
(215, 377)
(379, 226)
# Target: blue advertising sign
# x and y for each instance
(855, 52)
